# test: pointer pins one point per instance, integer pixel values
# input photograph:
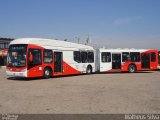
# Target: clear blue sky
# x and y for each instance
(113, 23)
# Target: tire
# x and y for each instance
(89, 70)
(132, 69)
(46, 73)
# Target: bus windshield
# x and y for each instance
(16, 56)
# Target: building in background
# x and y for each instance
(4, 44)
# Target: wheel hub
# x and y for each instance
(47, 72)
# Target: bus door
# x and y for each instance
(58, 62)
(116, 61)
(34, 62)
(145, 59)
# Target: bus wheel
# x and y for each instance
(89, 70)
(132, 68)
(46, 73)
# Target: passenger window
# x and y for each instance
(77, 56)
(135, 56)
(84, 57)
(35, 57)
(48, 56)
(153, 57)
(106, 57)
(90, 57)
(125, 57)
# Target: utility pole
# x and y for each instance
(88, 40)
(78, 39)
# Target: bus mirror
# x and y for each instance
(30, 57)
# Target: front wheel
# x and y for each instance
(89, 70)
(132, 68)
(46, 73)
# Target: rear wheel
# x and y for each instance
(89, 70)
(46, 73)
(132, 68)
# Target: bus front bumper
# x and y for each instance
(16, 74)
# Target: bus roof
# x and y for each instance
(123, 50)
(52, 44)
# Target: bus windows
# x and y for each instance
(106, 57)
(135, 56)
(125, 57)
(48, 56)
(90, 57)
(77, 56)
(35, 54)
(84, 57)
(153, 57)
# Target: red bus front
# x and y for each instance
(26, 61)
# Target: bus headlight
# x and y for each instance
(24, 70)
(7, 69)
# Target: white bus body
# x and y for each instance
(112, 60)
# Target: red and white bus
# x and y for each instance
(35, 57)
(131, 60)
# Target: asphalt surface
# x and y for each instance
(88, 94)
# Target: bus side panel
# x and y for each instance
(69, 65)
(104, 66)
(72, 67)
(36, 71)
(68, 69)
(154, 65)
(125, 66)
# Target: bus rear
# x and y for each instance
(131, 60)
(159, 60)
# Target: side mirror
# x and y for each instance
(30, 57)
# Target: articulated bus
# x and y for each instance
(35, 57)
(130, 60)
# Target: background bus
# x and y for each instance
(131, 60)
(34, 57)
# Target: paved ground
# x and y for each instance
(97, 93)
